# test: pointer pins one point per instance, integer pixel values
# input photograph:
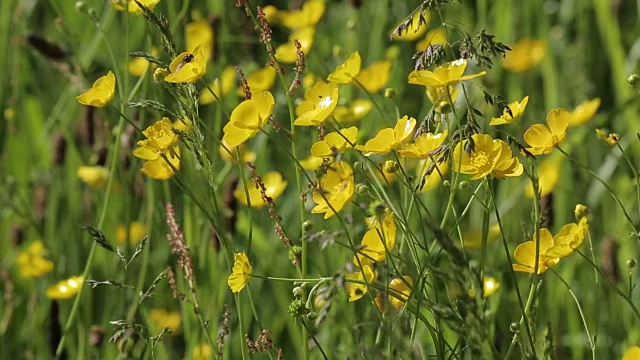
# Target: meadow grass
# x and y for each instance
(436, 278)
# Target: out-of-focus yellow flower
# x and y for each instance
(423, 145)
(355, 111)
(94, 176)
(568, 239)
(199, 33)
(434, 178)
(137, 231)
(489, 157)
(188, 67)
(228, 153)
(417, 27)
(337, 187)
(356, 290)
(335, 142)
(132, 7)
(311, 163)
(633, 353)
(525, 253)
(547, 177)
(260, 80)
(287, 53)
(309, 15)
(524, 55)
(543, 139)
(389, 139)
(65, 289)
(401, 291)
(248, 118)
(584, 112)
(31, 261)
(271, 13)
(580, 211)
(489, 286)
(101, 93)
(611, 139)
(442, 102)
(448, 74)
(513, 111)
(473, 239)
(376, 76)
(274, 186)
(159, 168)
(378, 240)
(345, 72)
(162, 319)
(184, 125)
(221, 86)
(241, 272)
(319, 102)
(308, 80)
(159, 139)
(202, 352)
(138, 65)
(434, 37)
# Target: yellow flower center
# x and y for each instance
(480, 159)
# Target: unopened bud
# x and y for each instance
(362, 189)
(633, 79)
(580, 211)
(390, 166)
(464, 185)
(631, 263)
(160, 74)
(307, 225)
(390, 93)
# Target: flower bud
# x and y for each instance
(514, 327)
(390, 166)
(81, 6)
(298, 291)
(390, 93)
(446, 183)
(631, 263)
(580, 211)
(307, 225)
(362, 189)
(160, 74)
(464, 185)
(312, 316)
(633, 79)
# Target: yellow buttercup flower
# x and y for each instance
(202, 352)
(309, 15)
(442, 101)
(248, 118)
(241, 272)
(345, 72)
(389, 139)
(632, 353)
(132, 7)
(356, 290)
(260, 80)
(548, 176)
(319, 102)
(401, 291)
(335, 142)
(417, 27)
(337, 187)
(434, 37)
(94, 176)
(287, 53)
(611, 139)
(525, 253)
(543, 139)
(569, 238)
(199, 33)
(448, 74)
(423, 145)
(489, 286)
(65, 289)
(378, 240)
(274, 186)
(228, 153)
(355, 111)
(162, 319)
(137, 231)
(159, 139)
(311, 163)
(376, 76)
(584, 112)
(101, 93)
(138, 66)
(512, 112)
(188, 67)
(221, 86)
(489, 157)
(31, 261)
(525, 54)
(159, 168)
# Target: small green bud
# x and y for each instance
(631, 263)
(514, 327)
(390, 93)
(362, 189)
(160, 74)
(446, 183)
(307, 225)
(92, 13)
(312, 316)
(633, 79)
(464, 185)
(390, 166)
(81, 6)
(298, 291)
(580, 211)
(445, 107)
